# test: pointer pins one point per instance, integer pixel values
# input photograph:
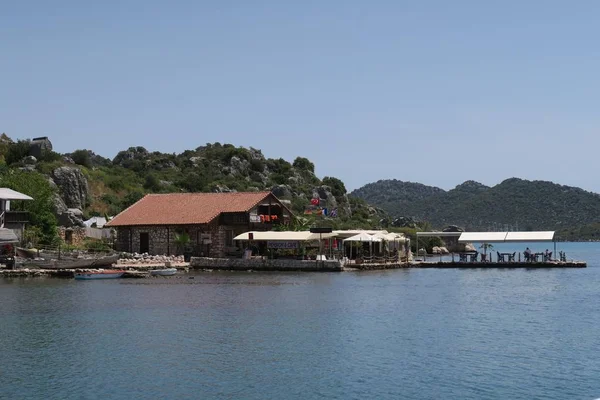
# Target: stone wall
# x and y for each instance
(162, 239)
(260, 264)
(74, 236)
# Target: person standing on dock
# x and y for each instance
(527, 254)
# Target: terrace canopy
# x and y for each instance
(363, 237)
(9, 194)
(7, 236)
(501, 237)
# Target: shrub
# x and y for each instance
(82, 157)
(337, 186)
(304, 164)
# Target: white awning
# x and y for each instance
(543, 236)
(485, 237)
(8, 236)
(9, 194)
(398, 237)
(354, 232)
(493, 237)
(288, 236)
(363, 237)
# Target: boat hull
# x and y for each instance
(164, 272)
(81, 263)
(108, 274)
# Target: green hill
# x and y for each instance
(513, 204)
(83, 180)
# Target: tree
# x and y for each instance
(152, 183)
(182, 239)
(304, 164)
(17, 151)
(337, 186)
(131, 198)
(41, 208)
(82, 157)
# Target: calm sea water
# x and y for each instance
(403, 334)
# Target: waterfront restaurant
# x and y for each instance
(293, 243)
(488, 238)
(337, 244)
(157, 223)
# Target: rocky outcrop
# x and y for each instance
(126, 157)
(239, 167)
(282, 191)
(72, 186)
(221, 189)
(39, 146)
(29, 160)
(72, 217)
(404, 222)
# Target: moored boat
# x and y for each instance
(101, 274)
(164, 272)
(73, 263)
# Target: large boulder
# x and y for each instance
(73, 217)
(404, 222)
(239, 167)
(39, 146)
(222, 189)
(72, 186)
(29, 160)
(282, 191)
(126, 158)
(327, 199)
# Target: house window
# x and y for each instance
(229, 238)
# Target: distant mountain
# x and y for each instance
(396, 195)
(514, 203)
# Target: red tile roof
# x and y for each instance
(186, 208)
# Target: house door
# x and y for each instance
(144, 242)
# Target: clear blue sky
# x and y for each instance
(431, 91)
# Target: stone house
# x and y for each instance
(211, 220)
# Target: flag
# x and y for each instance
(333, 213)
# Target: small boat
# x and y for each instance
(74, 263)
(164, 272)
(101, 274)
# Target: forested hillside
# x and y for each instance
(513, 204)
(71, 187)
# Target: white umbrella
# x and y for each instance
(364, 237)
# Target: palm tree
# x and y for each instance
(181, 241)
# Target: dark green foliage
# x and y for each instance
(40, 209)
(528, 205)
(82, 157)
(337, 186)
(17, 151)
(257, 165)
(131, 198)
(49, 156)
(279, 166)
(152, 183)
(304, 164)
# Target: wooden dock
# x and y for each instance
(467, 265)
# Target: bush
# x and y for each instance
(152, 183)
(41, 208)
(131, 198)
(337, 186)
(82, 157)
(16, 151)
(304, 164)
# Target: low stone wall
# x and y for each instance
(260, 264)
